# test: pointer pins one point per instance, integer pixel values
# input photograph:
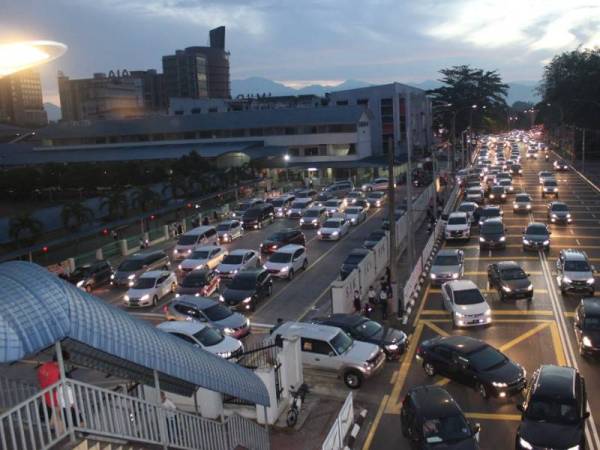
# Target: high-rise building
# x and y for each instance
(21, 101)
(153, 88)
(199, 72)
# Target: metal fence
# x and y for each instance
(339, 429)
(13, 392)
(85, 258)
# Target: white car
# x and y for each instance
(355, 215)
(334, 206)
(463, 299)
(236, 261)
(204, 336)
(207, 257)
(545, 175)
(229, 230)
(378, 184)
(469, 208)
(507, 185)
(287, 261)
(149, 288)
(334, 228)
(474, 194)
(458, 226)
(298, 207)
(353, 196)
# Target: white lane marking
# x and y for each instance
(571, 231)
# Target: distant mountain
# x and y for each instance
(259, 85)
(53, 112)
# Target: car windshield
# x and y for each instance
(446, 260)
(577, 266)
(209, 336)
(591, 323)
(244, 206)
(200, 254)
(486, 358)
(522, 198)
(515, 273)
(144, 283)
(466, 208)
(277, 237)
(332, 203)
(552, 410)
(341, 343)
(331, 224)
(355, 194)
(559, 207)
(280, 257)
(131, 264)
(278, 203)
(550, 183)
(223, 227)
(537, 230)
(299, 204)
(492, 228)
(446, 429)
(457, 221)
(490, 212)
(375, 195)
(233, 259)
(468, 297)
(353, 259)
(545, 174)
(474, 190)
(81, 271)
(368, 328)
(312, 213)
(217, 312)
(243, 283)
(353, 211)
(505, 182)
(251, 213)
(194, 280)
(187, 239)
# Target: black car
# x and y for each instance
(373, 238)
(246, 289)
(558, 212)
(560, 165)
(431, 419)
(322, 197)
(352, 261)
(492, 234)
(90, 276)
(472, 362)
(489, 212)
(536, 237)
(282, 238)
(587, 326)
(393, 342)
(497, 194)
(554, 411)
(257, 216)
(510, 280)
(201, 283)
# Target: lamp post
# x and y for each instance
(286, 158)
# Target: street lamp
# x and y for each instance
(17, 56)
(286, 158)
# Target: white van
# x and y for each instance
(199, 236)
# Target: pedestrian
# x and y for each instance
(356, 302)
(142, 244)
(388, 274)
(372, 296)
(115, 235)
(179, 229)
(170, 414)
(47, 375)
(205, 221)
(383, 304)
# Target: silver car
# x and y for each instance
(135, 265)
(448, 264)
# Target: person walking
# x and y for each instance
(383, 299)
(170, 414)
(372, 296)
(47, 375)
(356, 302)
(205, 221)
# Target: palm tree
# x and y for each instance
(74, 215)
(145, 199)
(116, 203)
(24, 224)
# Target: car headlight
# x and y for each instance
(481, 239)
(80, 283)
(177, 295)
(319, 232)
(144, 297)
(488, 312)
(523, 443)
(247, 300)
(235, 271)
(546, 242)
(491, 195)
(566, 280)
(555, 189)
(377, 203)
(499, 384)
(433, 276)
(284, 269)
(515, 205)
(225, 236)
(112, 277)
(131, 277)
(575, 447)
(314, 221)
(458, 315)
(126, 297)
(505, 288)
(590, 280)
(503, 196)
(587, 342)
(502, 238)
(221, 298)
(392, 347)
(554, 216)
(335, 233)
(225, 355)
(301, 220)
(530, 287)
(455, 276)
(180, 267)
(526, 241)
(175, 252)
(568, 215)
(228, 330)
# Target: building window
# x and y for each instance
(290, 130)
(212, 110)
(342, 103)
(293, 151)
(362, 101)
(178, 113)
(322, 150)
(311, 151)
(196, 110)
(256, 132)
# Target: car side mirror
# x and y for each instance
(520, 407)
(331, 354)
(476, 427)
(578, 325)
(586, 415)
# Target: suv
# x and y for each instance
(549, 187)
(510, 280)
(286, 261)
(430, 418)
(340, 189)
(554, 411)
(489, 212)
(574, 272)
(312, 217)
(298, 206)
(378, 184)
(90, 276)
(492, 234)
(247, 288)
(458, 226)
(587, 326)
(281, 238)
(135, 265)
(536, 236)
(281, 205)
(330, 348)
(242, 207)
(466, 304)
(448, 264)
(255, 217)
(196, 237)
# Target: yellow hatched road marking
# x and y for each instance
(556, 342)
(493, 416)
(522, 337)
(436, 329)
(499, 312)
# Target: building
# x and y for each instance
(153, 90)
(185, 106)
(21, 101)
(116, 96)
(199, 72)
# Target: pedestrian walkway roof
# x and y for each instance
(38, 309)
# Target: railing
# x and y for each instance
(339, 429)
(34, 425)
(13, 392)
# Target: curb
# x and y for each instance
(360, 420)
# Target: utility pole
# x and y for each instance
(391, 211)
(583, 150)
(409, 204)
(453, 140)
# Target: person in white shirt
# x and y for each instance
(170, 414)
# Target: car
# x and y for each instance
(256, 217)
(237, 261)
(334, 229)
(490, 212)
(362, 203)
(497, 194)
(431, 418)
(510, 280)
(544, 175)
(516, 169)
(398, 213)
(150, 288)
(201, 283)
(587, 326)
(331, 349)
(352, 261)
(321, 198)
(89, 276)
(355, 215)
(468, 307)
(196, 237)
(560, 165)
(522, 203)
(281, 238)
(531, 154)
(244, 206)
(335, 206)
(298, 207)
(135, 265)
(474, 194)
(247, 289)
(550, 187)
(287, 261)
(376, 198)
(207, 310)
(473, 362)
(377, 184)
(205, 337)
(393, 342)
(282, 204)
(458, 226)
(202, 258)
(536, 237)
(373, 239)
(313, 217)
(228, 230)
(554, 412)
(507, 185)
(492, 234)
(558, 212)
(353, 196)
(340, 189)
(448, 264)
(469, 209)
(574, 274)
(307, 193)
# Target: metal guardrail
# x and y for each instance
(33, 425)
(13, 392)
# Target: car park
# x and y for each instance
(150, 288)
(244, 206)
(558, 212)
(352, 261)
(492, 234)
(355, 215)
(574, 274)
(587, 326)
(473, 362)
(448, 264)
(205, 337)
(89, 276)
(377, 184)
(287, 261)
(313, 217)
(256, 217)
(458, 226)
(229, 230)
(133, 266)
(236, 261)
(536, 237)
(334, 206)
(201, 283)
(510, 280)
(466, 304)
(373, 239)
(393, 342)
(298, 207)
(331, 349)
(334, 229)
(202, 258)
(282, 204)
(497, 194)
(469, 209)
(489, 212)
(522, 203)
(196, 237)
(376, 198)
(281, 238)
(247, 289)
(210, 311)
(560, 165)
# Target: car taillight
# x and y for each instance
(165, 309)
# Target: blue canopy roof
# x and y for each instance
(38, 309)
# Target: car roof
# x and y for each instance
(308, 330)
(315, 208)
(505, 265)
(462, 344)
(449, 252)
(303, 200)
(573, 254)
(198, 230)
(461, 285)
(251, 273)
(557, 203)
(228, 222)
(145, 254)
(154, 274)
(208, 247)
(493, 220)
(434, 402)
(458, 214)
(557, 382)
(339, 319)
(289, 248)
(523, 194)
(359, 251)
(189, 327)
(194, 302)
(591, 306)
(536, 224)
(240, 251)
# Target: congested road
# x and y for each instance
(530, 333)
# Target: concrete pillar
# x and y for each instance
(123, 247)
(210, 403)
(272, 412)
(166, 232)
(291, 364)
(99, 254)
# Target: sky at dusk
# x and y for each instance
(302, 42)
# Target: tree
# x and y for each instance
(26, 225)
(145, 199)
(116, 203)
(177, 185)
(76, 214)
